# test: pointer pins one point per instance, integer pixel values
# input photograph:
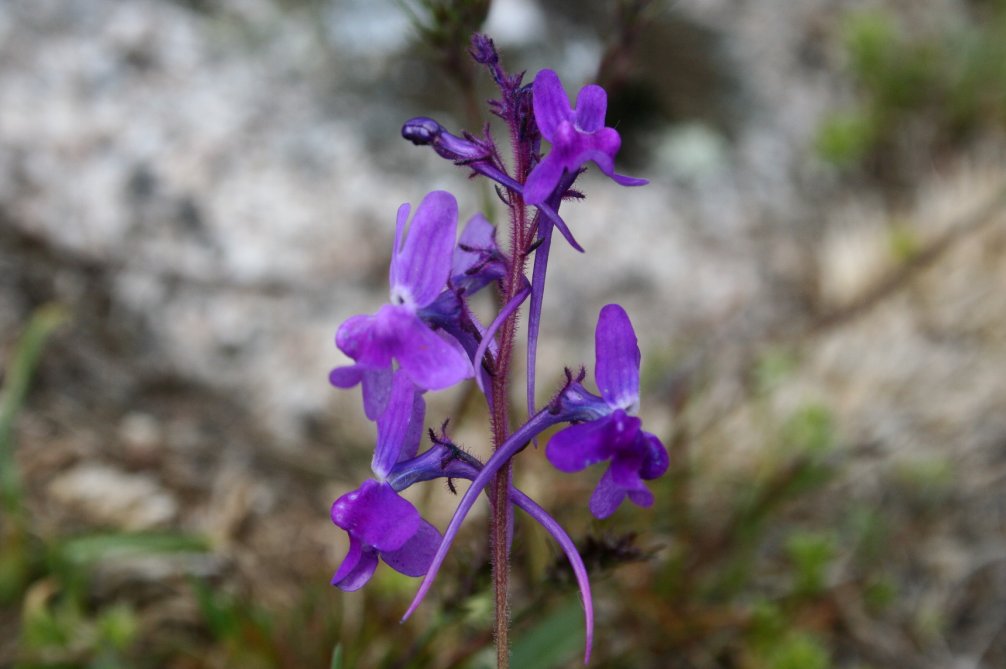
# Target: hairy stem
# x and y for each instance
(502, 513)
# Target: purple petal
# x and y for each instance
(420, 268)
(551, 106)
(604, 161)
(624, 435)
(607, 497)
(376, 386)
(605, 141)
(655, 460)
(415, 433)
(366, 339)
(429, 360)
(624, 470)
(354, 336)
(347, 376)
(479, 234)
(617, 358)
(543, 179)
(376, 515)
(578, 446)
(591, 106)
(477, 259)
(401, 219)
(641, 497)
(357, 567)
(601, 147)
(414, 557)
(395, 427)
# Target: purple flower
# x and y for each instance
(381, 524)
(419, 270)
(634, 455)
(577, 135)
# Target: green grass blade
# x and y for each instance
(17, 378)
(88, 549)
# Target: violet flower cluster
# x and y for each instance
(426, 338)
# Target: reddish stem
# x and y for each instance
(501, 518)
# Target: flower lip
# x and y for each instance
(380, 523)
(376, 515)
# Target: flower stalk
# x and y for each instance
(427, 339)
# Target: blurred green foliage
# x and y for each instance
(446, 28)
(918, 88)
(14, 562)
(796, 651)
(447, 25)
(17, 376)
(810, 552)
(773, 367)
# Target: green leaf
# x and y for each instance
(798, 651)
(811, 553)
(337, 657)
(17, 378)
(845, 138)
(219, 611)
(553, 641)
(810, 430)
(88, 549)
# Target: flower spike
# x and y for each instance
(428, 337)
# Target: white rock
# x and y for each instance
(109, 496)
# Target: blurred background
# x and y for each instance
(194, 194)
